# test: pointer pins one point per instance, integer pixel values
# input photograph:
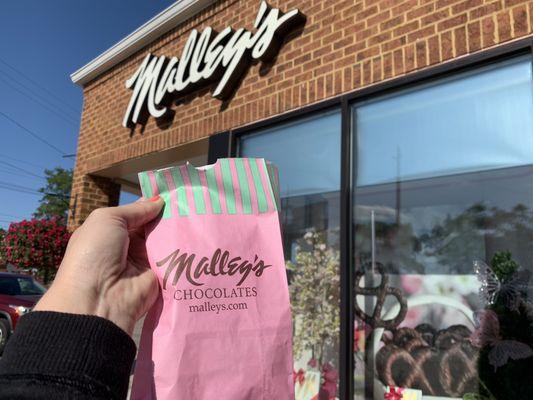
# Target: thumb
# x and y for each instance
(139, 213)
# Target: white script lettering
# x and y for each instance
(208, 57)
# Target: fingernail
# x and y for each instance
(155, 198)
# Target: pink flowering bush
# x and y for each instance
(2, 249)
(38, 243)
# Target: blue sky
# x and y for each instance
(47, 41)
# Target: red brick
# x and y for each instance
(465, 5)
(434, 49)
(445, 3)
(404, 7)
(409, 58)
(323, 14)
(368, 53)
(421, 33)
(367, 72)
(322, 51)
(504, 26)
(474, 36)
(356, 76)
(520, 21)
(312, 64)
(379, 18)
(366, 13)
(485, 9)
(354, 28)
(421, 54)
(531, 15)
(378, 39)
(510, 3)
(333, 56)
(320, 87)
(488, 32)
(377, 73)
(332, 37)
(343, 23)
(406, 28)
(420, 11)
(386, 4)
(354, 48)
(347, 78)
(320, 33)
(387, 66)
(460, 41)
(366, 33)
(346, 4)
(391, 23)
(343, 62)
(328, 85)
(398, 62)
(393, 44)
(435, 17)
(343, 42)
(452, 22)
(322, 70)
(337, 81)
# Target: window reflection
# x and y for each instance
(428, 247)
(307, 153)
(443, 206)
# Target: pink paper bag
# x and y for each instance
(221, 328)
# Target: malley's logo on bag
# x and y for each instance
(220, 263)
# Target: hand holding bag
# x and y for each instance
(221, 327)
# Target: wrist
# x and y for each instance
(72, 301)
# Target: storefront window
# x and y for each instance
(443, 207)
(307, 154)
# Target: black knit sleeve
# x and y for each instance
(66, 356)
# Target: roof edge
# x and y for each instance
(163, 22)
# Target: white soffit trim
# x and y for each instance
(167, 19)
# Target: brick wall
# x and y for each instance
(345, 45)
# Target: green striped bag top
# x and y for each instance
(230, 186)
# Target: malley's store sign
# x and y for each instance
(208, 57)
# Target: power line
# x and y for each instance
(15, 173)
(44, 105)
(19, 190)
(32, 92)
(38, 85)
(22, 161)
(22, 169)
(33, 134)
(15, 187)
(24, 189)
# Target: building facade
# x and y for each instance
(403, 133)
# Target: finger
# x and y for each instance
(137, 214)
(137, 252)
(139, 231)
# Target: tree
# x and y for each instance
(56, 193)
(3, 261)
(478, 233)
(38, 244)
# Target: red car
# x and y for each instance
(18, 295)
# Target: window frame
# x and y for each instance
(228, 146)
